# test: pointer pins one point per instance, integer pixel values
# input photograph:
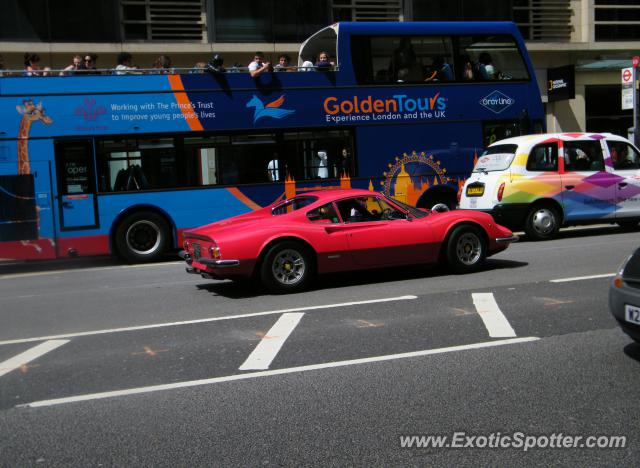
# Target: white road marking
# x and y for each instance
(84, 270)
(580, 278)
(268, 373)
(270, 345)
(212, 319)
(29, 355)
(493, 318)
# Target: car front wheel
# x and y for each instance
(466, 249)
(287, 267)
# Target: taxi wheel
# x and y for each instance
(288, 266)
(466, 249)
(628, 224)
(142, 237)
(542, 222)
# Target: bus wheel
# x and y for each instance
(142, 237)
(288, 266)
(466, 249)
(542, 223)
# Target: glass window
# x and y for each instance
(24, 20)
(490, 58)
(623, 155)
(362, 209)
(326, 214)
(404, 59)
(543, 158)
(83, 21)
(496, 158)
(496, 131)
(293, 204)
(583, 156)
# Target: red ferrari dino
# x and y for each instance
(286, 244)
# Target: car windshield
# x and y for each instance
(496, 158)
(292, 204)
(415, 212)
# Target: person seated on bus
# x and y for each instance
(441, 71)
(32, 66)
(258, 66)
(306, 66)
(403, 75)
(467, 68)
(77, 64)
(485, 69)
(284, 64)
(324, 63)
(403, 57)
(124, 64)
(162, 64)
(215, 64)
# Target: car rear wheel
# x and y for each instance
(142, 237)
(542, 223)
(628, 224)
(288, 266)
(466, 249)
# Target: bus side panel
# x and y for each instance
(407, 161)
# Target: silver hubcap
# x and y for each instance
(143, 237)
(288, 267)
(469, 248)
(543, 221)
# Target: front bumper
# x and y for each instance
(507, 240)
(618, 298)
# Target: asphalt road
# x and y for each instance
(145, 365)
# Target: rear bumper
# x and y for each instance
(211, 266)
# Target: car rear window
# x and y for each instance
(496, 158)
(292, 204)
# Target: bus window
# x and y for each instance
(404, 59)
(491, 58)
(495, 131)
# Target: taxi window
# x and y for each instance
(583, 156)
(623, 155)
(496, 158)
(543, 158)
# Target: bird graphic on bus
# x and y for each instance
(271, 109)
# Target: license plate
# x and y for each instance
(196, 251)
(632, 314)
(475, 190)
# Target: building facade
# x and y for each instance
(592, 39)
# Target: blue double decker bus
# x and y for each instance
(123, 164)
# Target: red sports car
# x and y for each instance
(286, 244)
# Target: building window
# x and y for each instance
(268, 20)
(163, 20)
(50, 20)
(617, 20)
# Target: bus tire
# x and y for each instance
(542, 222)
(466, 249)
(142, 237)
(288, 266)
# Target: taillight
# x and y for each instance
(500, 191)
(214, 251)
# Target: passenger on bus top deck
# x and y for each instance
(124, 63)
(323, 63)
(32, 65)
(283, 63)
(90, 64)
(441, 71)
(467, 68)
(77, 64)
(163, 64)
(258, 66)
(485, 67)
(215, 64)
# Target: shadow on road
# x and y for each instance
(583, 231)
(247, 289)
(633, 351)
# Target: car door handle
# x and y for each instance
(569, 187)
(622, 184)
